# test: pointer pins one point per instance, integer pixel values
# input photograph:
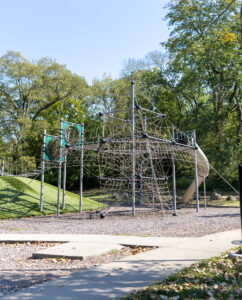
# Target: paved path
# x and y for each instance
(112, 280)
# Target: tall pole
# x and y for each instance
(133, 145)
(195, 166)
(59, 169)
(64, 182)
(173, 175)
(81, 168)
(42, 171)
(204, 191)
(2, 167)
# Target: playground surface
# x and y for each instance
(183, 239)
(114, 279)
(188, 223)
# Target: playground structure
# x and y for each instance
(134, 151)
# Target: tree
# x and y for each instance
(204, 60)
(31, 92)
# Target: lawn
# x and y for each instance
(20, 197)
(216, 278)
(221, 202)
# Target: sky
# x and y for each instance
(90, 37)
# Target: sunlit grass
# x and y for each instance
(221, 202)
(20, 197)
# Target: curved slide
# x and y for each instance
(202, 169)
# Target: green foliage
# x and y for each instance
(35, 96)
(197, 84)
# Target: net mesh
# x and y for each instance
(107, 150)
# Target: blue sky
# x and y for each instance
(91, 37)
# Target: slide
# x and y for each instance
(202, 169)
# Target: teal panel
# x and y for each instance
(49, 138)
(79, 128)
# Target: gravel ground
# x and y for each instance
(188, 223)
(19, 270)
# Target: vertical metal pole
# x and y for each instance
(196, 175)
(42, 171)
(2, 167)
(64, 182)
(204, 191)
(133, 145)
(240, 194)
(59, 169)
(81, 168)
(173, 175)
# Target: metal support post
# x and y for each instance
(173, 175)
(59, 168)
(3, 166)
(196, 174)
(42, 172)
(204, 191)
(64, 182)
(81, 168)
(133, 145)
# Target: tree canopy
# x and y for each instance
(195, 80)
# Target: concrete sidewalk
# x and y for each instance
(113, 280)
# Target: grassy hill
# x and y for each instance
(20, 197)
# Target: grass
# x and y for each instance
(19, 197)
(215, 278)
(220, 202)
